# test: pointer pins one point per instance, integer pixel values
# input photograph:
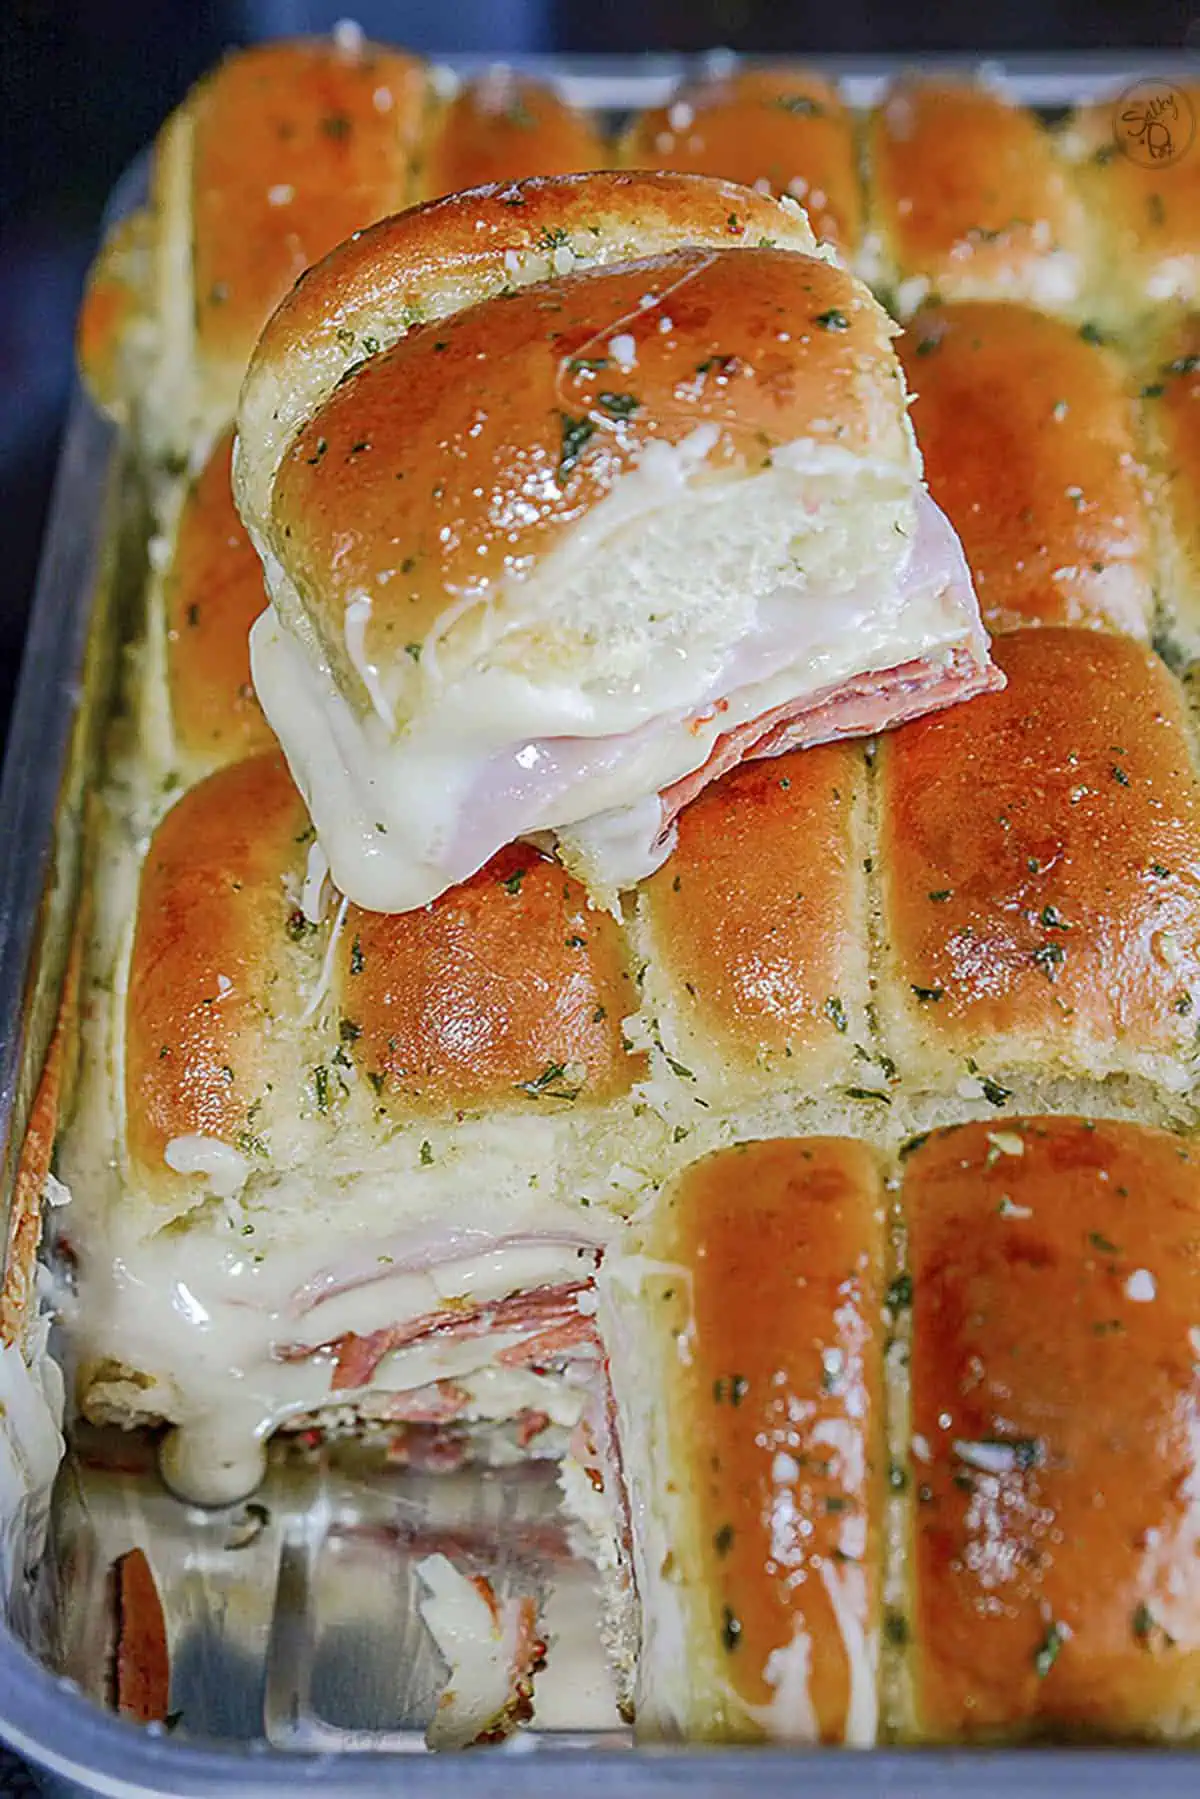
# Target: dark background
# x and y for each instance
(85, 83)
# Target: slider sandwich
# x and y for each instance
(571, 495)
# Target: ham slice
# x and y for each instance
(548, 1316)
(860, 707)
(547, 1345)
(440, 1403)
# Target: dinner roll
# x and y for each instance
(1171, 409)
(744, 1346)
(503, 126)
(1028, 429)
(1039, 854)
(783, 130)
(1055, 1585)
(212, 592)
(274, 158)
(1139, 172)
(970, 199)
(753, 936)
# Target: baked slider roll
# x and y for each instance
(753, 939)
(1171, 410)
(782, 130)
(208, 592)
(1028, 429)
(1055, 1579)
(970, 200)
(336, 1169)
(744, 1349)
(502, 127)
(274, 158)
(1144, 207)
(1040, 858)
(540, 560)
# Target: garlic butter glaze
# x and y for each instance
(1056, 1431)
(744, 1337)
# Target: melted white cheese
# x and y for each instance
(791, 1716)
(224, 1167)
(358, 614)
(312, 894)
(846, 1585)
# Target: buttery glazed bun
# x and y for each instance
(754, 1462)
(1039, 854)
(504, 127)
(781, 130)
(212, 592)
(536, 564)
(271, 160)
(450, 254)
(969, 200)
(1055, 1586)
(460, 1007)
(754, 932)
(1146, 213)
(1028, 431)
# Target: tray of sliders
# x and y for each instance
(600, 941)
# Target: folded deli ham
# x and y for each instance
(602, 515)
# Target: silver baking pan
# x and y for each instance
(298, 1658)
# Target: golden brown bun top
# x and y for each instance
(1139, 154)
(785, 129)
(503, 127)
(440, 258)
(295, 145)
(776, 1410)
(1027, 428)
(507, 994)
(508, 988)
(482, 439)
(1056, 1287)
(757, 920)
(272, 159)
(1040, 853)
(214, 592)
(216, 973)
(970, 195)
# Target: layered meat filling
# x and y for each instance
(447, 1344)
